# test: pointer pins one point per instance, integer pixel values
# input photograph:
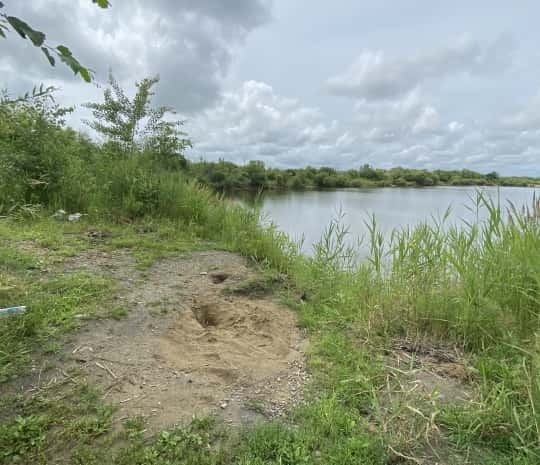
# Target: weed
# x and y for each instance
(260, 286)
(117, 313)
(23, 437)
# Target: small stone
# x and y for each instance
(218, 277)
(223, 405)
(372, 428)
(203, 273)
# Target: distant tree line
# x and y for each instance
(227, 176)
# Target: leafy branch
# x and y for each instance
(41, 92)
(38, 39)
(134, 123)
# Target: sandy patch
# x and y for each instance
(186, 347)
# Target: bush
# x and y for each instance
(34, 151)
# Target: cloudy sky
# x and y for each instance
(389, 83)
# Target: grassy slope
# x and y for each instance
(443, 287)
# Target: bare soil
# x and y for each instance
(185, 347)
(439, 372)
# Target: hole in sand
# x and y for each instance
(206, 315)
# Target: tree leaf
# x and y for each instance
(67, 57)
(64, 51)
(45, 50)
(85, 74)
(24, 30)
(102, 3)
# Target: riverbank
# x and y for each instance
(425, 352)
(431, 361)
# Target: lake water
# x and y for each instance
(306, 214)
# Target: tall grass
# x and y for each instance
(473, 285)
(477, 284)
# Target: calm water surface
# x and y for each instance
(306, 214)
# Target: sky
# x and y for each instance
(423, 84)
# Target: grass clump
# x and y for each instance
(266, 284)
(53, 303)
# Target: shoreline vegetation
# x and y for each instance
(426, 352)
(255, 176)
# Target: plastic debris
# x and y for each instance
(12, 310)
(74, 217)
(59, 214)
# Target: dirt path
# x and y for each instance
(188, 348)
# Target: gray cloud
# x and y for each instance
(526, 119)
(188, 42)
(374, 75)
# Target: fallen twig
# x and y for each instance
(107, 369)
(406, 457)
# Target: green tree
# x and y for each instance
(134, 124)
(493, 176)
(38, 39)
(256, 174)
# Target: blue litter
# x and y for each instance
(12, 310)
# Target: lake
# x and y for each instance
(306, 214)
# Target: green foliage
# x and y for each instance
(256, 174)
(226, 176)
(133, 124)
(22, 437)
(34, 150)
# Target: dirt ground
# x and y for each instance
(439, 372)
(187, 348)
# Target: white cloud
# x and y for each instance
(397, 119)
(254, 122)
(455, 126)
(427, 121)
